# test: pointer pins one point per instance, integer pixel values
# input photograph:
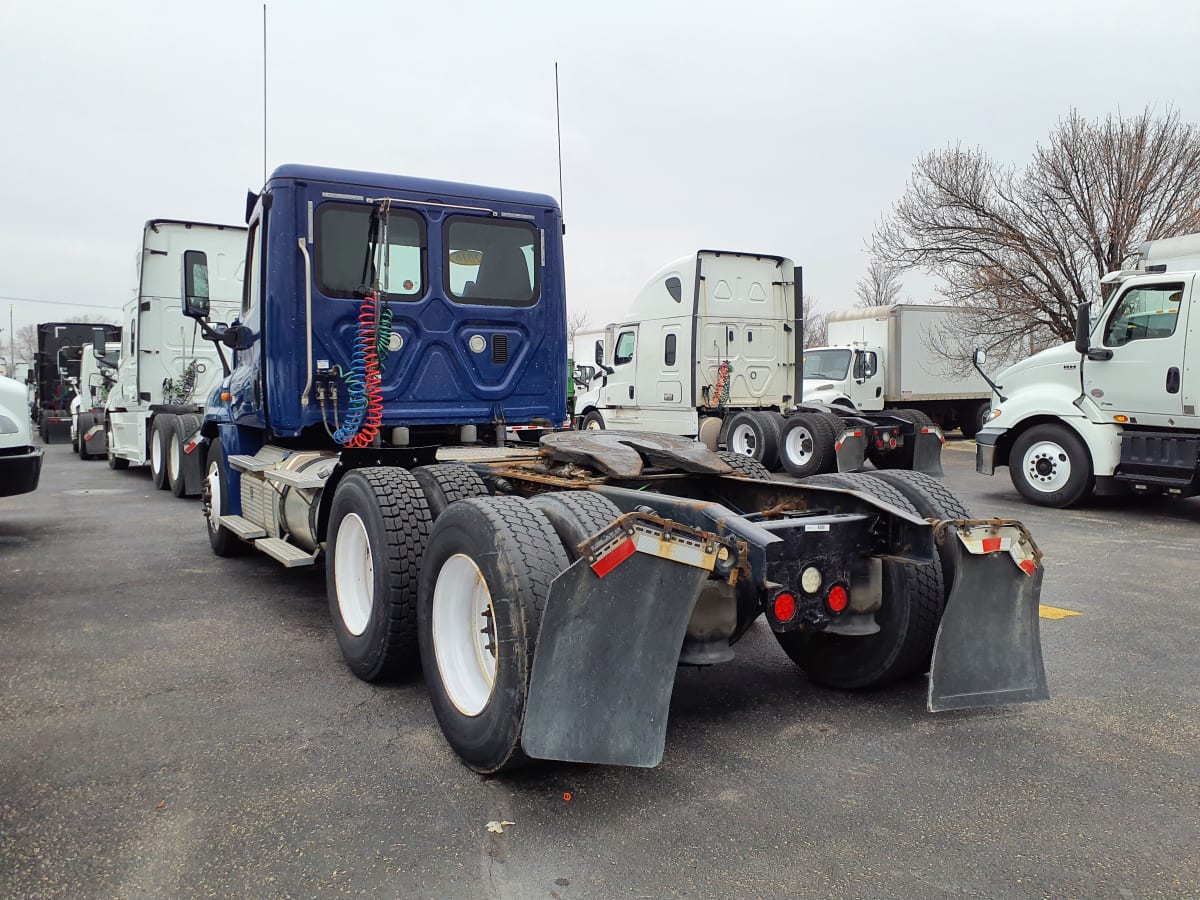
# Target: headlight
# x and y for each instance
(995, 413)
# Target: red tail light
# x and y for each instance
(785, 606)
(838, 598)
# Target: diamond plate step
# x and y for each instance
(288, 554)
(244, 463)
(243, 528)
(294, 479)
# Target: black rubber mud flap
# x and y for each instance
(927, 453)
(605, 662)
(988, 650)
(851, 449)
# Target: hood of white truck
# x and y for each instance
(815, 389)
(1045, 384)
(1057, 364)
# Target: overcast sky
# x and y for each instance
(784, 128)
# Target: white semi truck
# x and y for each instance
(167, 369)
(1117, 411)
(97, 375)
(895, 357)
(20, 460)
(710, 350)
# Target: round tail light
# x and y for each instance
(838, 598)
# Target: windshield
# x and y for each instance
(832, 364)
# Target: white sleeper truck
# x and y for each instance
(1117, 411)
(711, 351)
(97, 375)
(893, 357)
(167, 369)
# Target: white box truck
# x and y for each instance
(1118, 411)
(895, 357)
(710, 350)
(167, 369)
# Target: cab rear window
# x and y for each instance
(347, 261)
(491, 261)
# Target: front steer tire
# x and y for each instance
(908, 619)
(215, 495)
(378, 528)
(484, 585)
(1050, 466)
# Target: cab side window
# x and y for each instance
(250, 286)
(1144, 312)
(624, 351)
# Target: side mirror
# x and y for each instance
(980, 357)
(236, 337)
(1083, 328)
(195, 284)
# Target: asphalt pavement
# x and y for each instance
(177, 725)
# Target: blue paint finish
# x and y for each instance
(435, 378)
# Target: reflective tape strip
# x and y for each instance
(982, 540)
(614, 557)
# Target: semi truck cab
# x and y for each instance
(460, 288)
(1118, 409)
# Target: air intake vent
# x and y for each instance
(500, 348)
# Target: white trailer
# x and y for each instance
(1118, 411)
(896, 357)
(167, 369)
(710, 351)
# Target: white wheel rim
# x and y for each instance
(156, 451)
(354, 574)
(1047, 466)
(743, 440)
(593, 425)
(173, 459)
(464, 634)
(799, 445)
(214, 497)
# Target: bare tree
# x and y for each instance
(576, 322)
(1022, 249)
(26, 344)
(881, 286)
(815, 323)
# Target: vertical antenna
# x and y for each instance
(264, 94)
(558, 128)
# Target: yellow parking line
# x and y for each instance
(1054, 612)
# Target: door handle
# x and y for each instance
(631, 392)
(1173, 380)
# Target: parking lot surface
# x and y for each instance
(174, 724)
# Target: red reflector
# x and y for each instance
(858, 433)
(614, 558)
(991, 545)
(892, 443)
(1028, 566)
(190, 446)
(785, 607)
(838, 598)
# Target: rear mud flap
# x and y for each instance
(927, 452)
(988, 649)
(851, 450)
(605, 662)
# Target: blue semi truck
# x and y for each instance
(550, 600)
